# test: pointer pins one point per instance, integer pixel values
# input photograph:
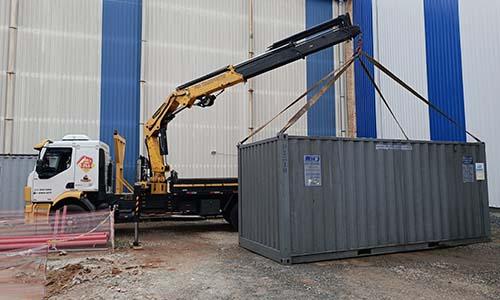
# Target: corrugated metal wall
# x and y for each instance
(321, 120)
(403, 52)
(57, 71)
(14, 171)
(185, 40)
(426, 42)
(366, 122)
(440, 35)
(4, 44)
(444, 68)
(479, 25)
(275, 20)
(120, 73)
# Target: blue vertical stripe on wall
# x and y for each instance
(321, 117)
(366, 122)
(120, 75)
(444, 68)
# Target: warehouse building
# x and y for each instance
(93, 66)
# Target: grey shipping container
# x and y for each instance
(14, 171)
(306, 199)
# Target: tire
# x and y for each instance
(71, 226)
(227, 216)
(233, 216)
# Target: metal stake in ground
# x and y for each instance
(112, 226)
(137, 214)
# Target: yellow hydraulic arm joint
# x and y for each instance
(178, 100)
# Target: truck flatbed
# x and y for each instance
(188, 197)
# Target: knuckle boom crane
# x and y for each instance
(201, 91)
(77, 172)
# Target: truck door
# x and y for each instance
(87, 169)
(54, 175)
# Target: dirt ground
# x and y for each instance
(202, 260)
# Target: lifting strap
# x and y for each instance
(318, 83)
(318, 95)
(382, 97)
(416, 94)
(332, 77)
(314, 87)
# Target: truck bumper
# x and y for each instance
(36, 213)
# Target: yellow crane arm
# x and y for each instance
(183, 98)
(200, 91)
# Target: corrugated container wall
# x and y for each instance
(187, 39)
(57, 87)
(14, 171)
(306, 199)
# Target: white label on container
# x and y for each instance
(480, 172)
(468, 169)
(401, 147)
(312, 170)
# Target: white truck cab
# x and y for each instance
(69, 172)
(78, 173)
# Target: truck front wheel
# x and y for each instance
(73, 222)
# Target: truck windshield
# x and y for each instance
(54, 161)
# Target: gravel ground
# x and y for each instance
(202, 260)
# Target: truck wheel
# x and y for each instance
(227, 216)
(233, 216)
(72, 224)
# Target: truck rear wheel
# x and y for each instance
(233, 216)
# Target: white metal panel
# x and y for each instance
(58, 70)
(4, 38)
(480, 42)
(399, 43)
(186, 39)
(275, 20)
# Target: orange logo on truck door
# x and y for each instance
(86, 163)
